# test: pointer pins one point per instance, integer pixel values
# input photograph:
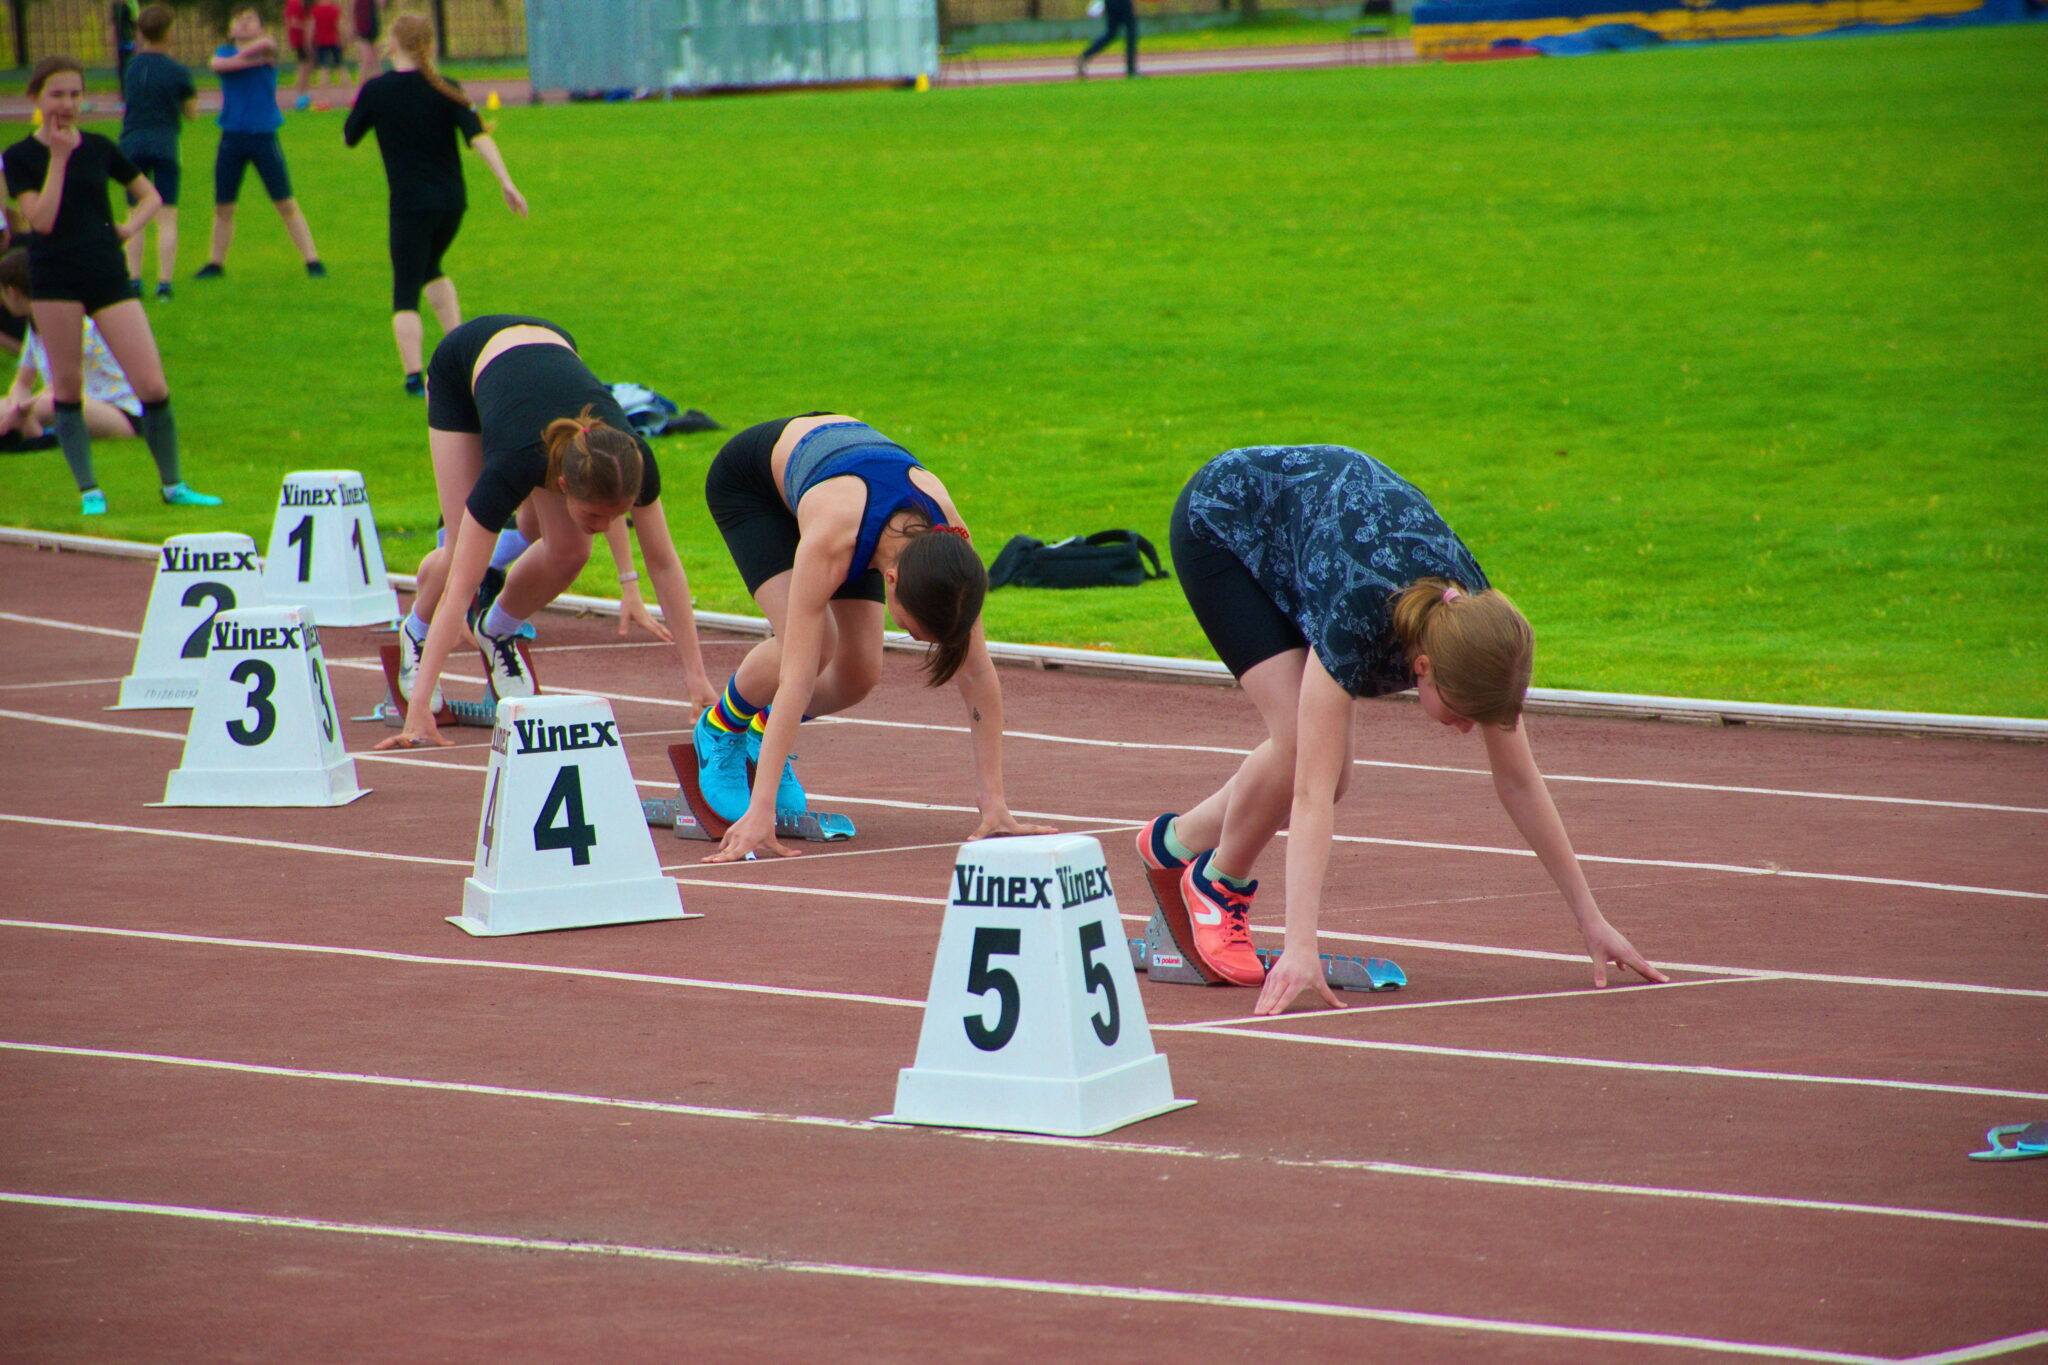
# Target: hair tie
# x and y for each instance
(1449, 593)
(960, 531)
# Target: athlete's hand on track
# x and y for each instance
(1288, 977)
(749, 834)
(427, 736)
(703, 695)
(633, 612)
(1003, 823)
(1605, 944)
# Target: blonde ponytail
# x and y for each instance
(1480, 647)
(413, 35)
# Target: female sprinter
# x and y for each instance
(827, 519)
(1320, 575)
(513, 415)
(59, 176)
(416, 113)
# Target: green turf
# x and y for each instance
(1729, 362)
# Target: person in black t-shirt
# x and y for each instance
(515, 417)
(121, 17)
(417, 113)
(157, 95)
(59, 176)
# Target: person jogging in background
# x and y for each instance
(1319, 576)
(249, 120)
(157, 97)
(827, 519)
(1118, 15)
(417, 113)
(59, 175)
(514, 417)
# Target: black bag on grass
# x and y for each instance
(1103, 560)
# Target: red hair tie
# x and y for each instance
(960, 531)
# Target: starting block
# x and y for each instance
(1161, 959)
(691, 816)
(480, 714)
(2014, 1142)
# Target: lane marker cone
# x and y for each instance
(264, 730)
(561, 843)
(324, 551)
(197, 578)
(1034, 1023)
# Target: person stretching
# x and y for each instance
(249, 120)
(416, 113)
(58, 174)
(1320, 575)
(515, 416)
(827, 519)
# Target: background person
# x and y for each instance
(157, 96)
(365, 17)
(1118, 15)
(59, 174)
(515, 416)
(249, 120)
(416, 114)
(112, 411)
(1320, 575)
(827, 519)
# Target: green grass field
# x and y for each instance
(1731, 364)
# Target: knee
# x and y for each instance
(565, 556)
(856, 673)
(1343, 781)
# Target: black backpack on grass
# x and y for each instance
(1106, 559)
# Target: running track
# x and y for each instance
(263, 1103)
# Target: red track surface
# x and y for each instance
(785, 1240)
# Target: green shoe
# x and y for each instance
(182, 495)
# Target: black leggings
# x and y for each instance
(1244, 627)
(759, 529)
(1120, 14)
(419, 240)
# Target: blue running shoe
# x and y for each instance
(722, 769)
(92, 503)
(184, 495)
(789, 793)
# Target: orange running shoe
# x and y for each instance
(1219, 914)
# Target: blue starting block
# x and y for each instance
(1161, 959)
(691, 816)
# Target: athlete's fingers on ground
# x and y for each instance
(1329, 993)
(1640, 965)
(1599, 967)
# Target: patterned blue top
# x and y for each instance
(856, 448)
(1331, 535)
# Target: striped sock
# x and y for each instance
(733, 712)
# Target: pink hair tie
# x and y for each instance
(1449, 593)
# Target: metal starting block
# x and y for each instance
(2014, 1142)
(479, 714)
(1157, 956)
(691, 816)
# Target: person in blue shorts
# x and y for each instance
(157, 95)
(249, 120)
(1321, 576)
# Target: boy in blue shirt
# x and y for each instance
(157, 94)
(249, 120)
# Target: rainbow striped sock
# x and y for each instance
(733, 712)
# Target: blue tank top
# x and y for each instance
(842, 448)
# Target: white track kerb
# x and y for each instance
(197, 578)
(1209, 671)
(562, 843)
(324, 551)
(1034, 1023)
(264, 730)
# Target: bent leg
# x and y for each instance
(1241, 818)
(458, 458)
(545, 570)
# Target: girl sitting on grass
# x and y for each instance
(1320, 575)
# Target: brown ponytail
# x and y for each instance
(1481, 649)
(941, 582)
(413, 35)
(591, 462)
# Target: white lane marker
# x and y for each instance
(1111, 1146)
(1983, 1350)
(1632, 987)
(70, 625)
(1217, 1030)
(68, 682)
(943, 1278)
(233, 839)
(1610, 1064)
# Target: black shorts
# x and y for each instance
(93, 287)
(163, 172)
(418, 241)
(238, 152)
(759, 529)
(1244, 626)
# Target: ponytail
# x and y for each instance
(413, 35)
(941, 582)
(1480, 647)
(591, 462)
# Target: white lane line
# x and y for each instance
(1983, 1350)
(423, 960)
(68, 682)
(234, 839)
(1609, 1064)
(1331, 1164)
(946, 1279)
(1737, 869)
(1210, 1029)
(1224, 751)
(1375, 1008)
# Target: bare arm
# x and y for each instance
(146, 203)
(982, 691)
(1321, 728)
(262, 52)
(1525, 797)
(469, 554)
(487, 148)
(672, 591)
(40, 207)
